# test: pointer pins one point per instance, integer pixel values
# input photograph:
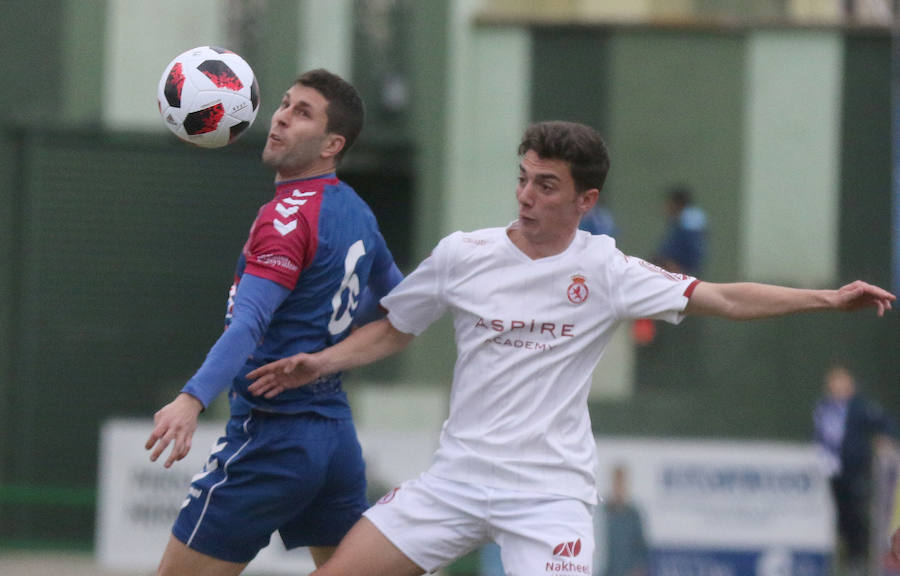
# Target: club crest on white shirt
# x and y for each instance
(578, 291)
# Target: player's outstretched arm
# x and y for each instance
(749, 301)
(174, 422)
(368, 344)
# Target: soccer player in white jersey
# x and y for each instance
(534, 304)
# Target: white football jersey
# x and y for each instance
(528, 335)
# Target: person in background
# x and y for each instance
(682, 249)
(624, 545)
(599, 219)
(847, 427)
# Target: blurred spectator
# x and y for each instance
(599, 220)
(847, 425)
(619, 531)
(683, 247)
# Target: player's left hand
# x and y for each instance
(859, 294)
(276, 377)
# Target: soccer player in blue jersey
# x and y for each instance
(291, 463)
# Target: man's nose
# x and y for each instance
(524, 193)
(278, 116)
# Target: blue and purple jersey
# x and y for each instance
(320, 241)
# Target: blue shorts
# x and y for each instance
(300, 474)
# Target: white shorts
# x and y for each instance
(434, 521)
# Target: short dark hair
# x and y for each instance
(579, 145)
(346, 111)
(679, 195)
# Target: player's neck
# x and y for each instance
(305, 173)
(534, 246)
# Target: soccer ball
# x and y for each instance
(208, 96)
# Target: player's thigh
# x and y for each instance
(340, 499)
(266, 471)
(545, 535)
(432, 521)
(178, 559)
(365, 551)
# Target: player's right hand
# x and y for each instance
(276, 377)
(176, 421)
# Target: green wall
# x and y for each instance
(31, 64)
(81, 75)
(677, 116)
(670, 106)
(572, 72)
(791, 165)
(865, 152)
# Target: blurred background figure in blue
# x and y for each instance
(489, 563)
(683, 246)
(599, 219)
(681, 250)
(848, 427)
(621, 547)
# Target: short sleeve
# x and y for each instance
(417, 301)
(644, 290)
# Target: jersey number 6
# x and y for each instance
(350, 282)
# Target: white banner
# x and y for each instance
(727, 508)
(138, 500)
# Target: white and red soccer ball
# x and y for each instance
(208, 96)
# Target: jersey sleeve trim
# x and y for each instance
(689, 291)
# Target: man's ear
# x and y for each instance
(587, 199)
(333, 145)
